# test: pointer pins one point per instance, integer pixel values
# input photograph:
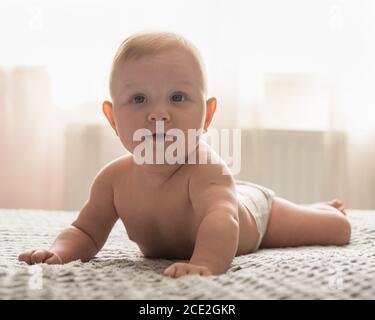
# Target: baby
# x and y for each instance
(195, 214)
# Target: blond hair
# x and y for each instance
(154, 43)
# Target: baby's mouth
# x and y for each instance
(161, 136)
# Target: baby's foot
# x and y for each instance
(336, 203)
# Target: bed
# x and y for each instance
(120, 272)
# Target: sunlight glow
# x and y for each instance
(76, 45)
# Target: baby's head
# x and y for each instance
(157, 76)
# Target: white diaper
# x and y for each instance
(258, 201)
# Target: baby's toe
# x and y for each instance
(339, 205)
(342, 209)
(334, 202)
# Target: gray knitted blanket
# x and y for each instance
(120, 272)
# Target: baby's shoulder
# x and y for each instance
(209, 163)
(114, 168)
(211, 173)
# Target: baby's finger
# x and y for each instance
(53, 259)
(205, 272)
(194, 271)
(181, 271)
(26, 256)
(170, 271)
(38, 256)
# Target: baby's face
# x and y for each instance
(168, 87)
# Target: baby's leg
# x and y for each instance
(293, 225)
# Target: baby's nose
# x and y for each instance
(159, 116)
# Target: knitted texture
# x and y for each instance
(120, 272)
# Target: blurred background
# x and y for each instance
(297, 76)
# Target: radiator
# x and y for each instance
(301, 166)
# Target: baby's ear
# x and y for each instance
(108, 112)
(210, 111)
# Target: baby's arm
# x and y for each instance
(214, 199)
(88, 233)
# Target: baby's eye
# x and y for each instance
(178, 98)
(138, 99)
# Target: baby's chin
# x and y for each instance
(164, 152)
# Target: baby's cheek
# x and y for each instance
(127, 140)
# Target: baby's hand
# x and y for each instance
(180, 269)
(40, 256)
